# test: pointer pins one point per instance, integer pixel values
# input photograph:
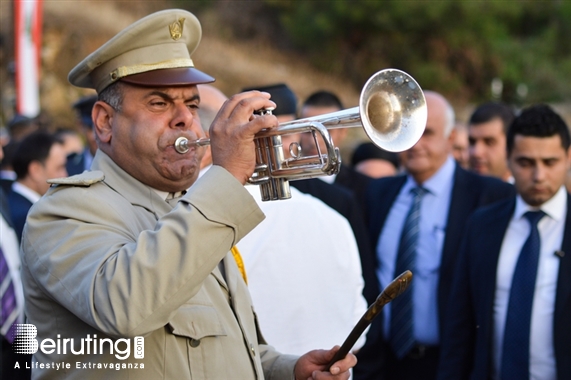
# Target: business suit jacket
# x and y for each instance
(6, 185)
(104, 254)
(467, 338)
(343, 201)
(469, 191)
(19, 208)
(355, 181)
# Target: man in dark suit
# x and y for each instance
(511, 299)
(447, 194)
(39, 157)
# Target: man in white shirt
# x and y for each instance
(511, 302)
(303, 269)
(302, 265)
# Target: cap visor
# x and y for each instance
(169, 77)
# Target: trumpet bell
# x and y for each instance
(393, 110)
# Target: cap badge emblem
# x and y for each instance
(175, 29)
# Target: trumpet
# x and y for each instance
(392, 112)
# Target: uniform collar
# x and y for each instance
(136, 192)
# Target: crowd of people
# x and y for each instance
(110, 235)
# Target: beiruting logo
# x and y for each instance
(25, 342)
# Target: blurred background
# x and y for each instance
(471, 51)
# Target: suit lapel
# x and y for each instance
(461, 201)
(490, 246)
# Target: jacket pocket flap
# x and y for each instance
(196, 322)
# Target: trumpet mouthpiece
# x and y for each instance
(182, 144)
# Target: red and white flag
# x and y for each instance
(28, 35)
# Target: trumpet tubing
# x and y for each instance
(392, 112)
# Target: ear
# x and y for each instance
(102, 115)
(35, 170)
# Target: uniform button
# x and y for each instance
(252, 349)
(194, 342)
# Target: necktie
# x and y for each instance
(515, 354)
(8, 295)
(401, 324)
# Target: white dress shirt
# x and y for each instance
(551, 228)
(330, 179)
(304, 274)
(433, 218)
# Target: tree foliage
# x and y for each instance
(457, 47)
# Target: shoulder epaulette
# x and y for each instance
(86, 178)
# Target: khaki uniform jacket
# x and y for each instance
(105, 260)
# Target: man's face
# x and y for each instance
(488, 148)
(539, 167)
(306, 139)
(53, 167)
(143, 133)
(430, 152)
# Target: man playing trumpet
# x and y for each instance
(123, 252)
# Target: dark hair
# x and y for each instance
(368, 150)
(35, 147)
(538, 121)
(282, 95)
(9, 150)
(323, 99)
(21, 126)
(492, 110)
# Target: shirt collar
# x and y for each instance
(439, 181)
(167, 196)
(555, 208)
(26, 192)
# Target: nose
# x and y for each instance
(182, 117)
(476, 149)
(539, 173)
